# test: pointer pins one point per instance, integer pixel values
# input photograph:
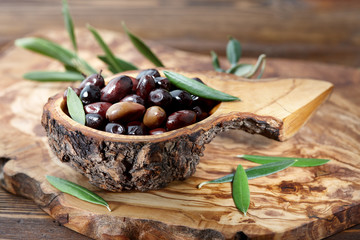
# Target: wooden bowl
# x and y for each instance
(275, 108)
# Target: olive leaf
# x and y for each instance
(143, 48)
(233, 51)
(255, 172)
(76, 191)
(194, 87)
(113, 63)
(69, 23)
(53, 76)
(75, 106)
(240, 190)
(300, 162)
(215, 62)
(55, 51)
(260, 62)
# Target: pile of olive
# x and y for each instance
(147, 104)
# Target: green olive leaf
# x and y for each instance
(240, 70)
(255, 172)
(55, 51)
(240, 190)
(143, 48)
(194, 87)
(215, 62)
(75, 106)
(233, 51)
(41, 76)
(69, 23)
(260, 63)
(125, 66)
(113, 63)
(300, 162)
(76, 191)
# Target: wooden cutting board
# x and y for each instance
(309, 203)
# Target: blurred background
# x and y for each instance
(318, 30)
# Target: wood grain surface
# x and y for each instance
(310, 203)
(326, 31)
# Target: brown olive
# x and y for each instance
(180, 119)
(154, 117)
(145, 86)
(125, 112)
(115, 128)
(94, 79)
(135, 82)
(98, 107)
(133, 98)
(116, 89)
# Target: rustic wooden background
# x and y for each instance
(317, 30)
(320, 30)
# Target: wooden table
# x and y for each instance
(21, 219)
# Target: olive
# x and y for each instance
(133, 98)
(181, 99)
(94, 120)
(115, 128)
(94, 79)
(180, 119)
(157, 131)
(163, 82)
(90, 94)
(160, 97)
(98, 107)
(116, 89)
(76, 90)
(154, 117)
(205, 104)
(125, 112)
(135, 82)
(145, 86)
(136, 128)
(150, 72)
(200, 114)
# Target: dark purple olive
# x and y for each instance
(116, 89)
(181, 99)
(160, 97)
(205, 104)
(125, 112)
(136, 128)
(145, 86)
(98, 107)
(180, 119)
(200, 114)
(94, 79)
(154, 117)
(135, 82)
(115, 128)
(162, 82)
(150, 72)
(76, 90)
(94, 120)
(133, 98)
(157, 131)
(90, 94)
